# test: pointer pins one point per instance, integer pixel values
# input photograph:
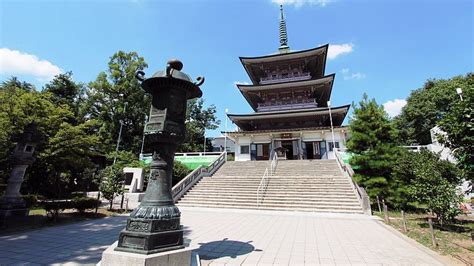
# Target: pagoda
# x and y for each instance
(290, 94)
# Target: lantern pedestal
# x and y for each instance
(113, 257)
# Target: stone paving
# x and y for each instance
(232, 237)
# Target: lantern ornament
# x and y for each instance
(154, 226)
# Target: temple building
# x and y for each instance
(290, 94)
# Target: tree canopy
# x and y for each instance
(79, 125)
(374, 148)
(427, 106)
(116, 97)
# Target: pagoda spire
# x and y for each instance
(284, 48)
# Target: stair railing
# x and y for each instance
(273, 163)
(192, 178)
(262, 187)
(361, 193)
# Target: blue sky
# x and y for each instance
(383, 48)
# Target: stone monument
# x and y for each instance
(154, 227)
(12, 204)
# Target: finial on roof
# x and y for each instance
(283, 35)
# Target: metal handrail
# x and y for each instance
(192, 178)
(361, 193)
(262, 187)
(273, 163)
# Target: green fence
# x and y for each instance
(191, 160)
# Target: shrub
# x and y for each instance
(30, 200)
(53, 208)
(84, 203)
(78, 194)
(431, 181)
(179, 172)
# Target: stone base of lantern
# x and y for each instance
(176, 257)
(10, 208)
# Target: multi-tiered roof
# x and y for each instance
(289, 90)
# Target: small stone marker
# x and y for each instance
(385, 210)
(404, 222)
(433, 238)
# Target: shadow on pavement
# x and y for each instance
(224, 248)
(81, 243)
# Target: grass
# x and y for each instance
(453, 239)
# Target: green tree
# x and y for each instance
(458, 124)
(20, 105)
(63, 157)
(374, 150)
(198, 119)
(65, 91)
(67, 157)
(116, 96)
(430, 181)
(426, 106)
(111, 182)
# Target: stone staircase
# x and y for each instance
(297, 185)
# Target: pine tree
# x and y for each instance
(374, 150)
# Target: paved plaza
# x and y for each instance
(232, 237)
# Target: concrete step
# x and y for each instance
(277, 181)
(312, 209)
(349, 194)
(275, 189)
(276, 185)
(270, 206)
(316, 185)
(270, 199)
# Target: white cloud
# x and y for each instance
(338, 49)
(347, 75)
(393, 108)
(241, 83)
(13, 62)
(300, 3)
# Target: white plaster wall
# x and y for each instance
(137, 179)
(325, 135)
(311, 136)
(244, 140)
(261, 139)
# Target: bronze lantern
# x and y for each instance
(154, 226)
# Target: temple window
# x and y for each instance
(331, 146)
(244, 149)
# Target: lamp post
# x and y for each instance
(332, 128)
(459, 92)
(120, 133)
(204, 142)
(154, 226)
(225, 134)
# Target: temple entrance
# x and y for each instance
(263, 151)
(292, 149)
(316, 150)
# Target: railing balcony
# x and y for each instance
(284, 78)
(294, 104)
